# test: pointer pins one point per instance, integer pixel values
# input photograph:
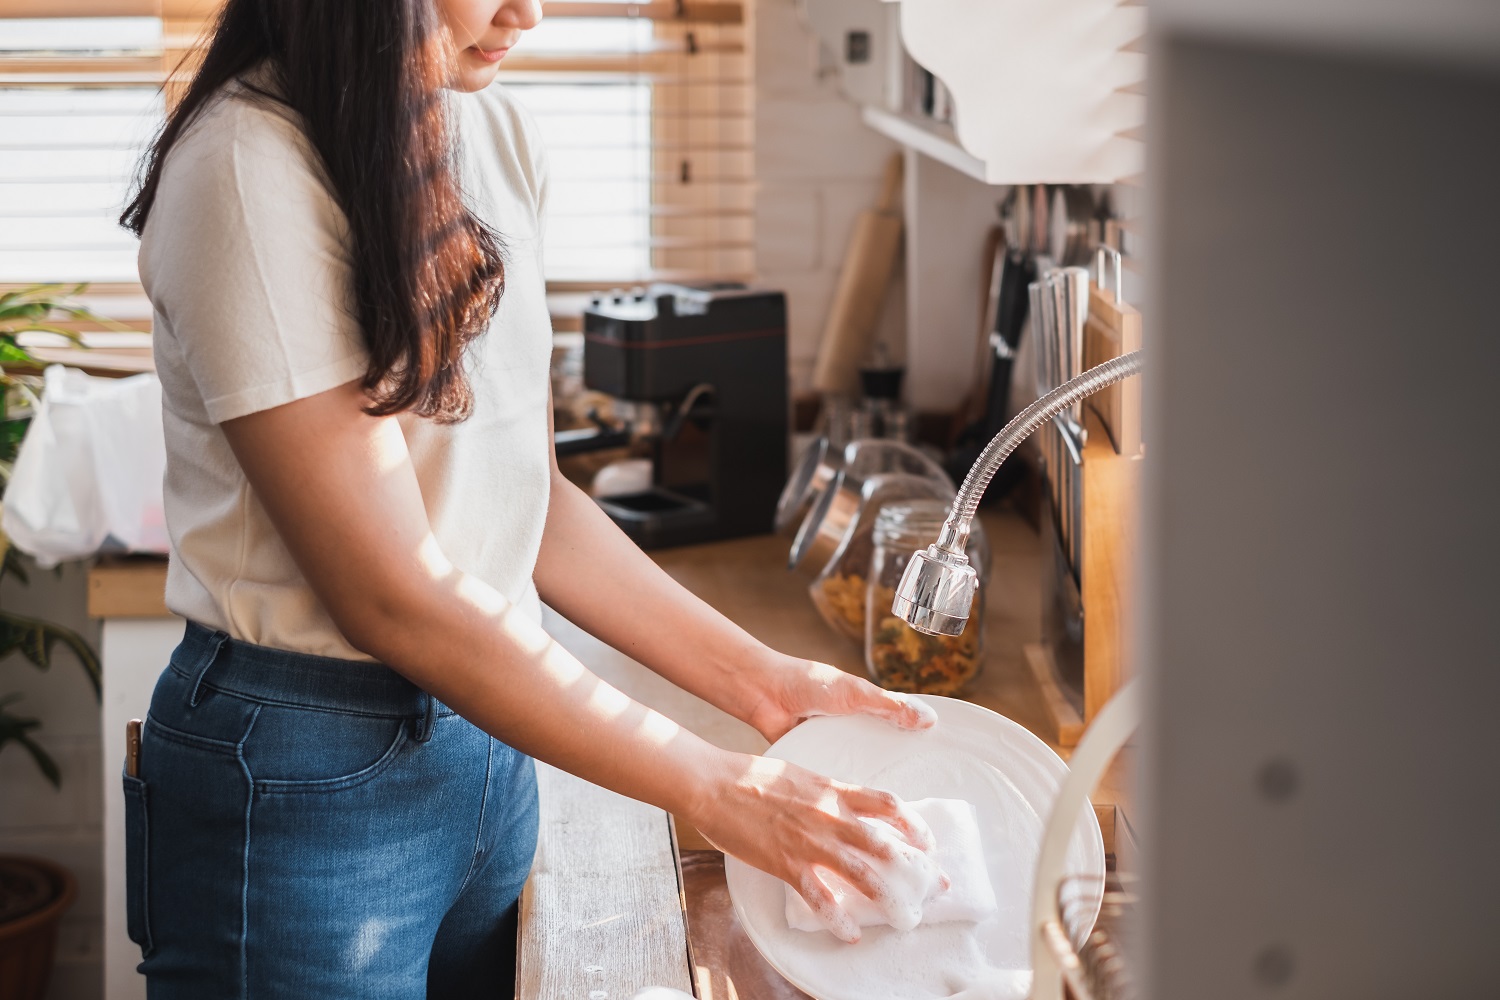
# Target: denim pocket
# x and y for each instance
(137, 863)
(307, 750)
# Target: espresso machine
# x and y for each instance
(704, 369)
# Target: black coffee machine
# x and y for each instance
(711, 361)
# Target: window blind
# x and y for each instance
(646, 109)
(79, 100)
(648, 116)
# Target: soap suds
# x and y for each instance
(918, 884)
(926, 714)
(900, 884)
(827, 910)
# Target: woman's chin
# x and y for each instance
(471, 75)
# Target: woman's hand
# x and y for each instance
(793, 690)
(794, 824)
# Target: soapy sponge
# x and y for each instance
(914, 877)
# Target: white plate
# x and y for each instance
(1010, 776)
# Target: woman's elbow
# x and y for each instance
(378, 621)
(393, 604)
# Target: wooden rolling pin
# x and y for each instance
(868, 264)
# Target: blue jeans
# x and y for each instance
(305, 827)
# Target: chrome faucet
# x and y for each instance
(937, 588)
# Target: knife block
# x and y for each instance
(1110, 475)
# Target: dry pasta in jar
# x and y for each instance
(897, 656)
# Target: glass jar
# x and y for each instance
(897, 656)
(838, 592)
(831, 515)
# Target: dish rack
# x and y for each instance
(1098, 969)
(1092, 962)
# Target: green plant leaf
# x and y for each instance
(43, 759)
(11, 434)
(73, 335)
(25, 310)
(12, 563)
(54, 291)
(16, 729)
(34, 639)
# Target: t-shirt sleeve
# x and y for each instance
(245, 258)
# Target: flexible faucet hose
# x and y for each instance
(956, 529)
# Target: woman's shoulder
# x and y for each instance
(243, 115)
(243, 149)
(241, 174)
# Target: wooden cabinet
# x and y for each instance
(139, 635)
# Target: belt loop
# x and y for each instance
(427, 719)
(216, 641)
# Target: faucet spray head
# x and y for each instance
(936, 591)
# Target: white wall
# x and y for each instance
(817, 166)
(65, 826)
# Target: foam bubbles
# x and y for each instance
(926, 715)
(951, 883)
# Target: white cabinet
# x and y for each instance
(1043, 91)
(1040, 92)
(133, 652)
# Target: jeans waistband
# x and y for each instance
(212, 660)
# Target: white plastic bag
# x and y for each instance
(89, 473)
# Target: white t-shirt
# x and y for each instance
(244, 258)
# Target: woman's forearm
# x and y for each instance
(461, 641)
(468, 646)
(597, 578)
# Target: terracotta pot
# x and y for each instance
(28, 941)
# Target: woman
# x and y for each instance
(341, 239)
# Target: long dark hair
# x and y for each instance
(364, 79)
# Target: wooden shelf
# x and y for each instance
(928, 138)
(128, 587)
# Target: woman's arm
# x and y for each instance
(339, 486)
(596, 577)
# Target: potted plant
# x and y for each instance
(34, 892)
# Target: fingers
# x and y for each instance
(901, 910)
(904, 711)
(825, 906)
(827, 690)
(897, 878)
(879, 804)
(918, 714)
